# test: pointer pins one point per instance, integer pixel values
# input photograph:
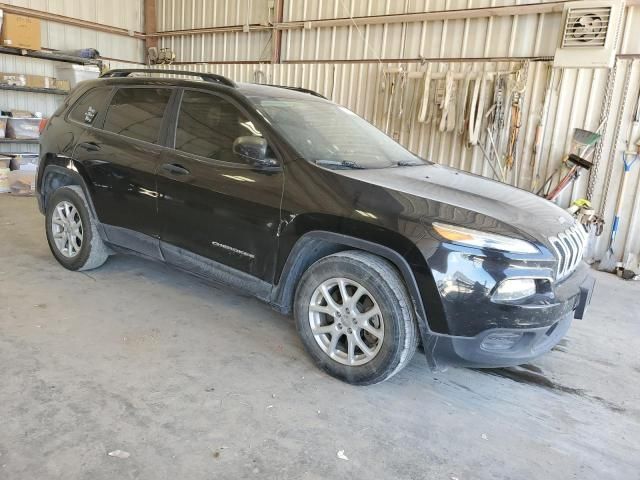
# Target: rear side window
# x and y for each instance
(137, 113)
(208, 125)
(86, 109)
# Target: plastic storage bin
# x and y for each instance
(76, 73)
(4, 174)
(25, 161)
(23, 128)
(3, 126)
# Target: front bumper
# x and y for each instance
(480, 351)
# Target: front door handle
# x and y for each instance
(89, 146)
(175, 169)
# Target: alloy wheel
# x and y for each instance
(346, 321)
(67, 229)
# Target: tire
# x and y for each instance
(390, 338)
(85, 250)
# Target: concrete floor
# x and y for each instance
(197, 382)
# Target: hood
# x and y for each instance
(524, 211)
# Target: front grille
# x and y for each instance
(569, 247)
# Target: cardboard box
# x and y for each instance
(19, 31)
(62, 85)
(36, 81)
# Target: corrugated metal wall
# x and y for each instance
(324, 59)
(231, 46)
(126, 14)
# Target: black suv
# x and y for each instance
(283, 194)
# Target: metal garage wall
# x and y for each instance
(329, 60)
(127, 14)
(231, 46)
(478, 38)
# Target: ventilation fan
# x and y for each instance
(589, 34)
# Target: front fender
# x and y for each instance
(315, 244)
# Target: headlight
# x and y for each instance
(513, 289)
(476, 238)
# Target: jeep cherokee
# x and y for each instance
(281, 193)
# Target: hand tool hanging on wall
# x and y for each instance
(397, 105)
(577, 163)
(426, 94)
(582, 145)
(463, 103)
(497, 169)
(392, 90)
(476, 111)
(633, 137)
(538, 143)
(495, 123)
(497, 111)
(517, 96)
(448, 104)
(514, 133)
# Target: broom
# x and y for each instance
(609, 262)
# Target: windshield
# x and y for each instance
(332, 136)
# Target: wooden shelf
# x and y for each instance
(22, 88)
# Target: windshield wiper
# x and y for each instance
(339, 164)
(405, 163)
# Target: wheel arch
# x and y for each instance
(314, 245)
(57, 174)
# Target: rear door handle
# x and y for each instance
(175, 169)
(90, 146)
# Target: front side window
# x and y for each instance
(86, 110)
(208, 126)
(137, 113)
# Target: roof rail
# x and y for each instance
(207, 77)
(297, 89)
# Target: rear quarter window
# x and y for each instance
(87, 109)
(137, 112)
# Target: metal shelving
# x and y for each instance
(50, 56)
(24, 88)
(29, 141)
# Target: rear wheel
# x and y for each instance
(355, 319)
(71, 231)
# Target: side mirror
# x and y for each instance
(253, 150)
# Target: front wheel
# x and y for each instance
(355, 318)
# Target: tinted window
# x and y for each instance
(86, 110)
(137, 112)
(208, 126)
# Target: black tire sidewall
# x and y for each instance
(393, 315)
(70, 195)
